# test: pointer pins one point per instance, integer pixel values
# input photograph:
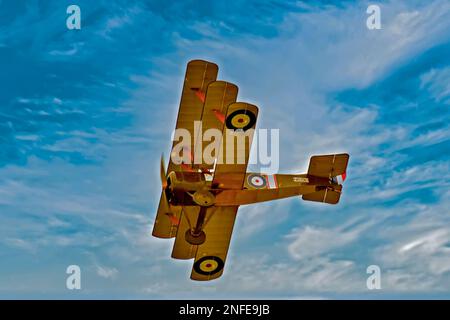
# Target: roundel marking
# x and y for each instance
(208, 265)
(241, 120)
(257, 181)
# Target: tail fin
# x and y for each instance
(332, 167)
(328, 166)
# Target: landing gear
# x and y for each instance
(204, 199)
(195, 239)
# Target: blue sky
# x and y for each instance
(85, 115)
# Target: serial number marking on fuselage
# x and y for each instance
(300, 179)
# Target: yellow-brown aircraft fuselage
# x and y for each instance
(184, 185)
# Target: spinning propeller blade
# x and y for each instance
(163, 173)
(164, 199)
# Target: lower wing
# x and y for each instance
(211, 255)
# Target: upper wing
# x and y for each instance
(211, 255)
(240, 122)
(199, 74)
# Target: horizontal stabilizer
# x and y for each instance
(326, 195)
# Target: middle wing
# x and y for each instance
(219, 95)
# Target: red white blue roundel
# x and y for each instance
(257, 181)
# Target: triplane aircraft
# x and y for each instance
(200, 200)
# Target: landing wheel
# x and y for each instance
(194, 238)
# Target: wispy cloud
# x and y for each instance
(108, 273)
(437, 82)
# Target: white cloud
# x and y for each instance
(311, 241)
(416, 256)
(27, 137)
(119, 21)
(106, 272)
(47, 100)
(253, 219)
(69, 52)
(437, 82)
(20, 243)
(260, 274)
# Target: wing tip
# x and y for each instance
(201, 61)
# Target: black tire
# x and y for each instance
(195, 239)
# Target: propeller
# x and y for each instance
(164, 199)
(163, 173)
